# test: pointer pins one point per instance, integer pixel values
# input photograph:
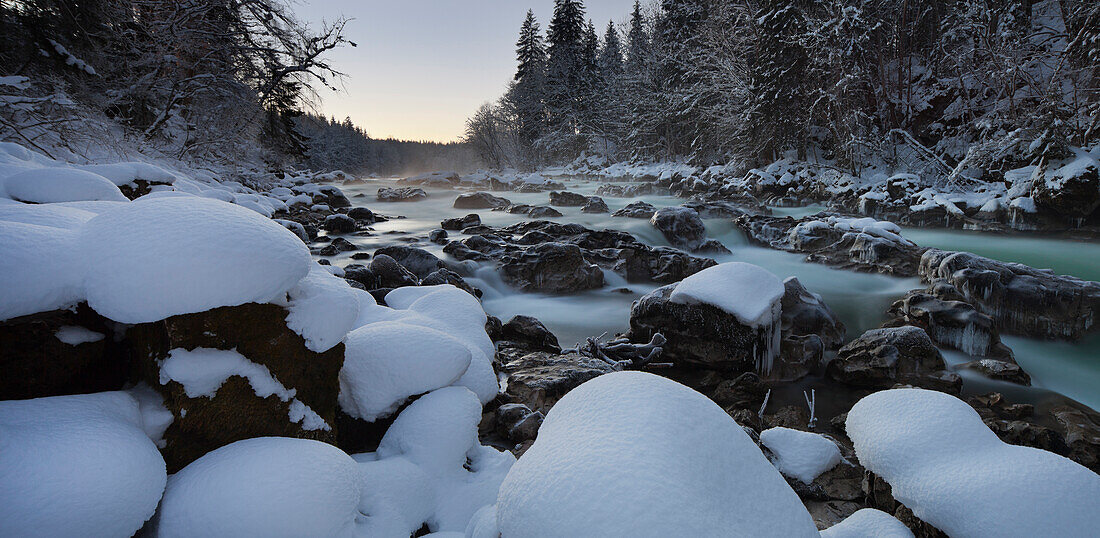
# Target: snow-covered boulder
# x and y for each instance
(429, 468)
(953, 472)
(727, 315)
(1072, 191)
(156, 258)
(53, 215)
(323, 308)
(798, 454)
(387, 362)
(76, 466)
(41, 269)
(47, 185)
(616, 457)
(868, 523)
(266, 486)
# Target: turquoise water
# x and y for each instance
(859, 299)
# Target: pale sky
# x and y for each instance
(423, 66)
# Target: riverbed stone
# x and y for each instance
(417, 260)
(480, 200)
(636, 210)
(566, 198)
(681, 226)
(551, 267)
(881, 358)
(340, 224)
(391, 274)
(404, 194)
(459, 223)
(595, 204)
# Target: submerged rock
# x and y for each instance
(681, 226)
(405, 194)
(636, 210)
(551, 267)
(480, 200)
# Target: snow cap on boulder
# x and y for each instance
(617, 457)
(47, 185)
(160, 257)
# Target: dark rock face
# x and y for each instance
(539, 379)
(953, 323)
(725, 209)
(235, 412)
(331, 196)
(418, 261)
(830, 245)
(446, 276)
(340, 224)
(701, 336)
(337, 246)
(881, 358)
(361, 214)
(681, 226)
(551, 267)
(473, 219)
(636, 210)
(404, 194)
(566, 198)
(528, 332)
(480, 200)
(542, 212)
(390, 274)
(627, 191)
(516, 422)
(438, 236)
(1000, 370)
(1082, 435)
(595, 204)
(609, 249)
(36, 363)
(1020, 299)
(1072, 193)
(804, 313)
(360, 274)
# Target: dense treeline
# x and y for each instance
(345, 146)
(965, 83)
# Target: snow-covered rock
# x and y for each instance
(156, 258)
(438, 434)
(749, 292)
(265, 486)
(46, 185)
(76, 466)
(388, 361)
(40, 267)
(126, 172)
(868, 523)
(323, 308)
(954, 473)
(54, 215)
(618, 457)
(799, 454)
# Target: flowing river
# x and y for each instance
(859, 299)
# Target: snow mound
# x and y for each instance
(46, 185)
(749, 292)
(53, 215)
(868, 523)
(40, 267)
(266, 486)
(76, 466)
(126, 172)
(161, 257)
(635, 454)
(446, 308)
(387, 362)
(942, 462)
(434, 441)
(799, 454)
(323, 308)
(202, 371)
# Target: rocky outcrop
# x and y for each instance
(460, 223)
(628, 191)
(539, 379)
(417, 260)
(1072, 192)
(636, 210)
(609, 249)
(59, 352)
(340, 224)
(480, 200)
(681, 226)
(235, 412)
(882, 358)
(1019, 299)
(551, 267)
(530, 333)
(950, 322)
(567, 199)
(809, 328)
(404, 194)
(838, 241)
(595, 204)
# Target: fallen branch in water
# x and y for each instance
(622, 354)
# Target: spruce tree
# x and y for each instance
(564, 78)
(527, 94)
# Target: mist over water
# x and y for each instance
(859, 299)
